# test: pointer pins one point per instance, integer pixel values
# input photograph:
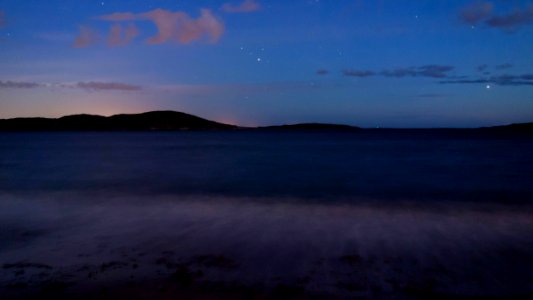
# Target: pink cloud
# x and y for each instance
(171, 26)
(86, 37)
(476, 12)
(513, 20)
(119, 36)
(245, 7)
(180, 27)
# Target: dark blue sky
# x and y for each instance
(255, 62)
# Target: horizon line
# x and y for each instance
(265, 126)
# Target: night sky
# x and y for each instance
(389, 63)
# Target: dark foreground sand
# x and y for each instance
(76, 246)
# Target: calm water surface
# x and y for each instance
(331, 166)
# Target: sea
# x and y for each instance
(389, 214)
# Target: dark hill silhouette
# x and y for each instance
(155, 120)
(311, 126)
(172, 121)
(518, 127)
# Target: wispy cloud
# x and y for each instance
(513, 20)
(399, 72)
(503, 66)
(358, 73)
(476, 12)
(171, 27)
(18, 84)
(119, 36)
(509, 80)
(245, 7)
(89, 86)
(444, 73)
(482, 68)
(85, 38)
(486, 68)
(113, 86)
(322, 72)
(434, 71)
(431, 71)
(483, 13)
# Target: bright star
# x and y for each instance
(488, 86)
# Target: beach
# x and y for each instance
(161, 245)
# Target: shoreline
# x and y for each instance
(236, 247)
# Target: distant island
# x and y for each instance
(155, 120)
(178, 121)
(311, 126)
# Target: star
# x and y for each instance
(488, 87)
(259, 59)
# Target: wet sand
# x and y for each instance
(147, 247)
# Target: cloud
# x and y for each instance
(482, 67)
(433, 71)
(85, 38)
(245, 7)
(513, 20)
(322, 72)
(503, 66)
(399, 72)
(18, 84)
(98, 86)
(119, 36)
(171, 26)
(179, 27)
(358, 73)
(509, 80)
(476, 12)
(2, 18)
(479, 11)
(465, 81)
(443, 72)
(90, 85)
